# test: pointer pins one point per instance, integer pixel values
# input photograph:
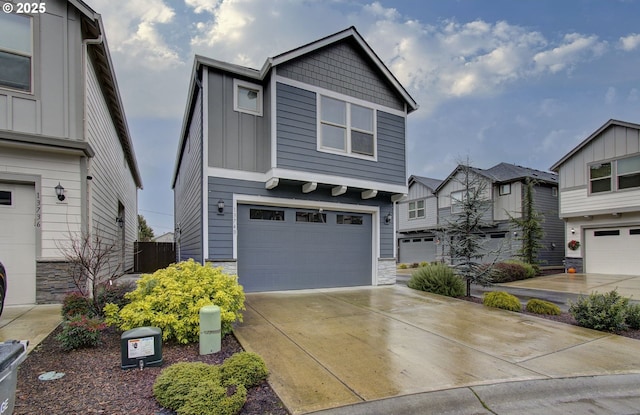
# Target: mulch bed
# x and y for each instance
(94, 383)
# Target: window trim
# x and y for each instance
(349, 101)
(237, 84)
(416, 209)
(31, 90)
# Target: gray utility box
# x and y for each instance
(141, 347)
(12, 353)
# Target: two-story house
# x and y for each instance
(600, 200)
(67, 164)
(286, 175)
(504, 185)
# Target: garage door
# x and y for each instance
(18, 242)
(417, 250)
(287, 249)
(613, 250)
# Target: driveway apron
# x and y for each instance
(335, 347)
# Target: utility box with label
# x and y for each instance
(12, 353)
(210, 329)
(141, 347)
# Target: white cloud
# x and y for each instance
(610, 96)
(575, 48)
(630, 42)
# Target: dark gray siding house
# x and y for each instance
(287, 175)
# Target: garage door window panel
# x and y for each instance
(5, 198)
(349, 219)
(600, 177)
(613, 232)
(266, 214)
(311, 217)
(628, 172)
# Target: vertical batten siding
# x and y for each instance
(296, 119)
(344, 69)
(221, 226)
(553, 227)
(188, 197)
(112, 179)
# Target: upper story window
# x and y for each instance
(600, 177)
(505, 189)
(626, 172)
(247, 97)
(457, 200)
(15, 52)
(416, 209)
(347, 128)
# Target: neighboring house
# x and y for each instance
(505, 186)
(287, 175)
(165, 237)
(417, 217)
(600, 200)
(67, 164)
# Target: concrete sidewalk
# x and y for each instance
(392, 345)
(29, 322)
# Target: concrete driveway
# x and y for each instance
(335, 347)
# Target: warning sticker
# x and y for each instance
(140, 347)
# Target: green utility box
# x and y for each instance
(141, 347)
(210, 333)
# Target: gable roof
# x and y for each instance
(507, 172)
(93, 29)
(430, 183)
(587, 140)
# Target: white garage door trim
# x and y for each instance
(374, 211)
(612, 250)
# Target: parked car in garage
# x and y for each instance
(3, 286)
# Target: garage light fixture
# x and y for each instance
(387, 219)
(220, 206)
(573, 231)
(60, 192)
(120, 221)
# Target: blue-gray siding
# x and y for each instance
(286, 254)
(221, 226)
(188, 191)
(297, 142)
(547, 205)
(345, 69)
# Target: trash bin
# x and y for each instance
(12, 353)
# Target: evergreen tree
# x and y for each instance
(145, 233)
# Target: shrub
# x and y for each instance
(76, 304)
(209, 397)
(81, 331)
(424, 263)
(542, 307)
(633, 316)
(414, 265)
(245, 368)
(171, 299)
(438, 279)
(113, 294)
(512, 270)
(403, 266)
(174, 383)
(503, 300)
(605, 312)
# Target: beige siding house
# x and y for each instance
(67, 164)
(600, 200)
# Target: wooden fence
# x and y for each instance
(151, 256)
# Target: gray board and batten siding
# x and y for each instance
(545, 203)
(297, 142)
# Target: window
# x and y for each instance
(628, 172)
(15, 51)
(416, 209)
(349, 219)
(345, 127)
(266, 214)
(247, 97)
(615, 232)
(505, 189)
(501, 235)
(600, 177)
(634, 231)
(457, 200)
(314, 217)
(5, 198)
(554, 191)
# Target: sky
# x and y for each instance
(511, 81)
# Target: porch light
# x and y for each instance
(120, 221)
(220, 206)
(387, 219)
(60, 192)
(573, 231)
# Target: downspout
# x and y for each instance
(85, 128)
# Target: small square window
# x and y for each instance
(5, 198)
(505, 189)
(247, 97)
(416, 209)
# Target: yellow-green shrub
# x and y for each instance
(403, 266)
(174, 383)
(503, 300)
(209, 397)
(245, 368)
(171, 299)
(542, 307)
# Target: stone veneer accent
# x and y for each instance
(576, 263)
(386, 271)
(53, 281)
(229, 266)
